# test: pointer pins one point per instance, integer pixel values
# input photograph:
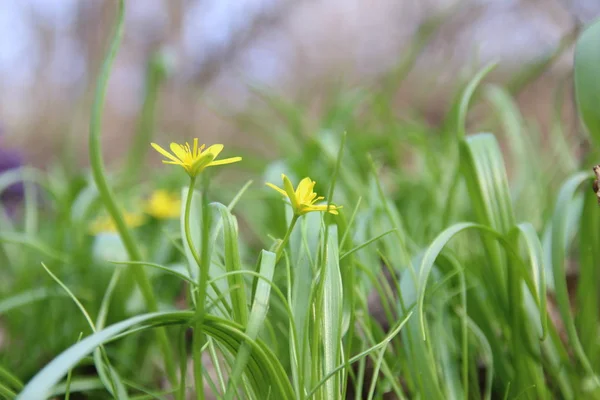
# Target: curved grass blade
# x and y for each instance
(462, 107)
(537, 270)
(428, 260)
(40, 386)
(70, 375)
(168, 270)
(559, 244)
(365, 244)
(112, 381)
(256, 319)
(106, 193)
(485, 173)
(263, 361)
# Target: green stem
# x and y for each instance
(188, 233)
(203, 265)
(108, 197)
(182, 363)
(286, 238)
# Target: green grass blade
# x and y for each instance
(233, 263)
(331, 301)
(588, 291)
(365, 244)
(78, 385)
(70, 375)
(559, 248)
(537, 270)
(10, 379)
(40, 386)
(484, 171)
(428, 260)
(183, 276)
(462, 107)
(106, 193)
(112, 382)
(256, 320)
(587, 84)
(362, 354)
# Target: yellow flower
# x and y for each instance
(163, 205)
(194, 159)
(106, 224)
(303, 199)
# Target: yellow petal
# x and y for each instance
(289, 189)
(163, 151)
(225, 161)
(304, 189)
(332, 208)
(179, 151)
(215, 149)
(280, 190)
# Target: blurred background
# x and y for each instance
(217, 52)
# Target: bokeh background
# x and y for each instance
(218, 51)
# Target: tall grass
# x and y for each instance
(441, 277)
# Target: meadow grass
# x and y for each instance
(441, 277)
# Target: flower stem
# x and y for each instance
(203, 266)
(286, 238)
(108, 197)
(188, 234)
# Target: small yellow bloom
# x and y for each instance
(194, 159)
(106, 224)
(163, 205)
(303, 199)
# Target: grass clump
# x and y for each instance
(440, 277)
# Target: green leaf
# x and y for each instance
(458, 114)
(588, 290)
(331, 299)
(263, 362)
(559, 250)
(587, 79)
(233, 263)
(256, 320)
(41, 385)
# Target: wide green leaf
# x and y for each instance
(587, 79)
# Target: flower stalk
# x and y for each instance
(286, 238)
(108, 197)
(203, 264)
